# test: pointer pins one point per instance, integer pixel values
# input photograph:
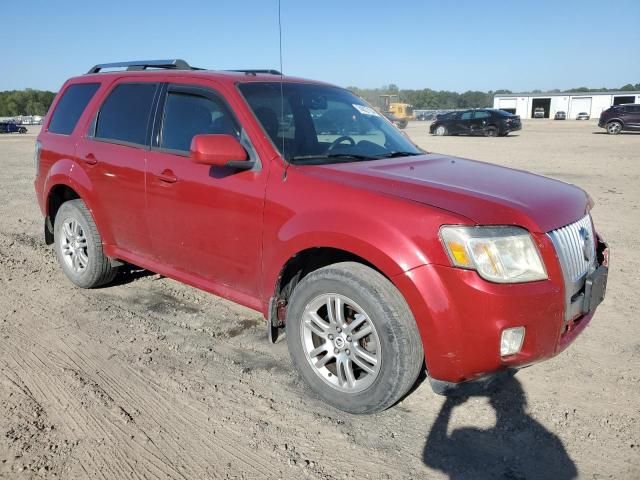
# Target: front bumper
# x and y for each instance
(461, 318)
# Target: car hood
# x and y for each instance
(484, 193)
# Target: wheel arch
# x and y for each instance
(66, 181)
(57, 195)
(304, 257)
(280, 284)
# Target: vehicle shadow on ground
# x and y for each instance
(128, 273)
(517, 447)
(621, 133)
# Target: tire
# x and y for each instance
(22, 130)
(393, 341)
(441, 131)
(614, 128)
(491, 131)
(78, 247)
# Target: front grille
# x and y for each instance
(576, 249)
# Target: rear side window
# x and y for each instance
(70, 107)
(481, 115)
(124, 115)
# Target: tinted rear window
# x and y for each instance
(70, 107)
(124, 116)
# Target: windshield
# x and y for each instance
(312, 124)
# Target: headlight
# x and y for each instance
(498, 254)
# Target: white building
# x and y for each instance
(572, 103)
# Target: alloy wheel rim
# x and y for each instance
(74, 245)
(440, 130)
(340, 343)
(614, 128)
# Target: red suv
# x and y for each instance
(375, 257)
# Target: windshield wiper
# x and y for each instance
(398, 154)
(354, 156)
(331, 155)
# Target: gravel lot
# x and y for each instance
(153, 379)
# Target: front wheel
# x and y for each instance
(614, 128)
(352, 338)
(441, 130)
(22, 130)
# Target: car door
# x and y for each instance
(632, 118)
(205, 222)
(463, 122)
(479, 122)
(113, 153)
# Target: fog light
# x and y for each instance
(511, 341)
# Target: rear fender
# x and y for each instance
(69, 173)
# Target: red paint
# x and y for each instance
(216, 150)
(231, 232)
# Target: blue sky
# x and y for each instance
(450, 45)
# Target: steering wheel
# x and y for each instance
(339, 140)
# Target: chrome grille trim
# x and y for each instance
(569, 245)
(570, 248)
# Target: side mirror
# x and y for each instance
(219, 151)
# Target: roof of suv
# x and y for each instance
(180, 68)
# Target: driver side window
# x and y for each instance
(187, 115)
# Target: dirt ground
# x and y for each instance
(149, 378)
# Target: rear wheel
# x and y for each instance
(491, 131)
(353, 338)
(614, 128)
(78, 246)
(441, 130)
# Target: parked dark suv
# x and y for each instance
(620, 117)
(487, 122)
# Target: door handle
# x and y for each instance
(90, 159)
(167, 176)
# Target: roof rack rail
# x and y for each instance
(268, 71)
(174, 64)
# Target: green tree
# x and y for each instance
(25, 102)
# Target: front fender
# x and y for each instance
(396, 238)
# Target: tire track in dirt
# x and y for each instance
(275, 430)
(179, 420)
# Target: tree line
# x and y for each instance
(429, 99)
(25, 102)
(36, 102)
